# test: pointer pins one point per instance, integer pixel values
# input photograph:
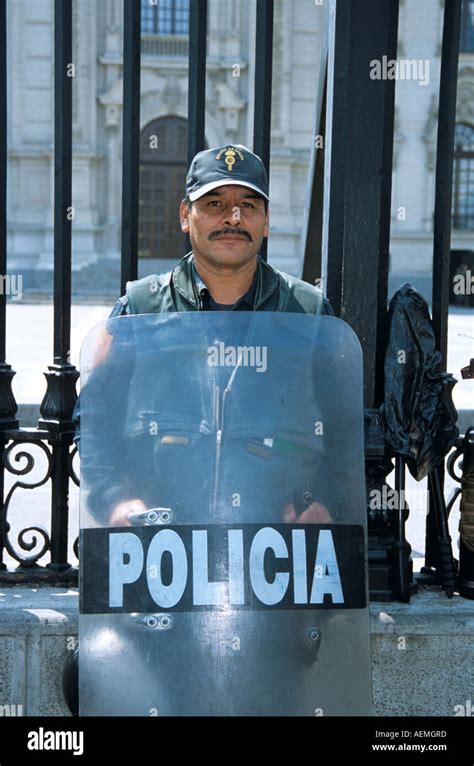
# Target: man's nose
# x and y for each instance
(232, 215)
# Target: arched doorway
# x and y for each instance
(163, 167)
(463, 177)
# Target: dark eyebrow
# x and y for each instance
(216, 193)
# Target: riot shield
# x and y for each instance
(235, 580)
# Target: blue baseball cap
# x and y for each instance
(223, 166)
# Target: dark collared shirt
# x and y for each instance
(244, 303)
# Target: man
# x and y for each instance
(225, 213)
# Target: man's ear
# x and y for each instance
(183, 216)
(266, 230)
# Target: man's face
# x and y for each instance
(226, 226)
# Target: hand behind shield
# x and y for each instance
(120, 514)
(314, 514)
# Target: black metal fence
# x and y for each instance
(355, 151)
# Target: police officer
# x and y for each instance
(225, 213)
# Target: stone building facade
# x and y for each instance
(97, 127)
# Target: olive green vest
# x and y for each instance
(177, 291)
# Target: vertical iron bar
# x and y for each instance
(59, 506)
(263, 89)
(63, 211)
(62, 259)
(131, 140)
(3, 170)
(58, 403)
(446, 572)
(356, 220)
(4, 527)
(358, 175)
(401, 549)
(311, 240)
(442, 219)
(196, 83)
(3, 233)
(3, 238)
(197, 77)
(337, 107)
(444, 172)
(8, 406)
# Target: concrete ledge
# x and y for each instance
(37, 629)
(422, 653)
(423, 656)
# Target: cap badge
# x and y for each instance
(229, 156)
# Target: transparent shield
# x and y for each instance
(223, 517)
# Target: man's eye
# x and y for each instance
(214, 202)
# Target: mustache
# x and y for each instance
(228, 230)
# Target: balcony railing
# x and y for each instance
(165, 45)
